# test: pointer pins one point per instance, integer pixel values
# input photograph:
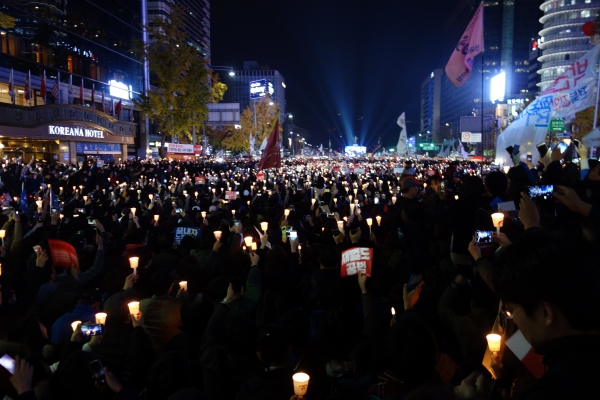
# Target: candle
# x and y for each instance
(370, 223)
(218, 235)
(393, 312)
(233, 213)
(74, 325)
(494, 342)
(351, 208)
(133, 210)
(340, 225)
(299, 249)
(101, 318)
(300, 383)
(378, 218)
(313, 201)
(497, 219)
(264, 226)
(335, 201)
(203, 213)
(133, 263)
(150, 197)
(134, 307)
(286, 212)
(355, 191)
(248, 241)
(156, 217)
(248, 202)
(254, 246)
(355, 201)
(394, 198)
(85, 198)
(2, 235)
(183, 285)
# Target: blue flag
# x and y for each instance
(23, 201)
(53, 200)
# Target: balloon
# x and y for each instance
(589, 28)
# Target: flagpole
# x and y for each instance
(597, 99)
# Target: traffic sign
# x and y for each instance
(556, 125)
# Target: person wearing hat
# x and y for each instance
(414, 221)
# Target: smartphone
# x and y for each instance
(543, 192)
(178, 210)
(37, 249)
(542, 149)
(293, 235)
(92, 329)
(91, 221)
(516, 149)
(485, 237)
(97, 371)
(80, 210)
(53, 210)
(510, 150)
(529, 157)
(236, 223)
(8, 363)
(413, 282)
(562, 146)
(442, 187)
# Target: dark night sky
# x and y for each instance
(356, 58)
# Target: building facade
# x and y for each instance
(252, 72)
(561, 39)
(431, 91)
(84, 48)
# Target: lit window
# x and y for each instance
(585, 14)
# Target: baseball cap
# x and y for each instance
(410, 181)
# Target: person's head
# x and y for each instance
(329, 258)
(91, 298)
(550, 284)
(273, 346)
(434, 182)
(162, 282)
(594, 174)
(411, 187)
(496, 184)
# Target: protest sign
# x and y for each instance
(63, 254)
(186, 231)
(355, 260)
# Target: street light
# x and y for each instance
(222, 68)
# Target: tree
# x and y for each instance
(6, 21)
(181, 76)
(238, 140)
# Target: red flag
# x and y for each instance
(271, 157)
(118, 108)
(470, 44)
(43, 87)
(81, 92)
(28, 86)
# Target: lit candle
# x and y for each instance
(351, 208)
(218, 235)
(2, 235)
(150, 197)
(264, 226)
(254, 246)
(299, 250)
(133, 210)
(233, 213)
(335, 201)
(101, 318)
(203, 213)
(286, 212)
(455, 197)
(300, 383)
(494, 342)
(497, 219)
(248, 241)
(340, 225)
(85, 198)
(134, 307)
(313, 201)
(350, 198)
(156, 217)
(378, 218)
(133, 263)
(183, 285)
(74, 325)
(370, 223)
(393, 312)
(394, 198)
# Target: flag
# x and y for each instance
(118, 108)
(11, 87)
(71, 100)
(252, 144)
(525, 353)
(401, 146)
(111, 104)
(470, 44)
(463, 153)
(43, 87)
(571, 92)
(321, 148)
(81, 101)
(93, 96)
(53, 201)
(56, 89)
(23, 200)
(271, 157)
(263, 145)
(103, 107)
(28, 86)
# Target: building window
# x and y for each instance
(585, 14)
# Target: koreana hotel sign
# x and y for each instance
(75, 131)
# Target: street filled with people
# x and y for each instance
(327, 278)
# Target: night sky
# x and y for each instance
(362, 59)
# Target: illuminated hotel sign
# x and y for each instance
(75, 131)
(258, 88)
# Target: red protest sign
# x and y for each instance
(63, 254)
(355, 260)
(336, 168)
(230, 195)
(260, 177)
(200, 180)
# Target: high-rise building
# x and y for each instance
(87, 44)
(240, 92)
(431, 90)
(510, 26)
(561, 39)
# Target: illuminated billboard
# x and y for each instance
(498, 87)
(355, 151)
(258, 88)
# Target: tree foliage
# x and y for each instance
(183, 83)
(6, 21)
(238, 140)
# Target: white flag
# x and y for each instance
(251, 140)
(571, 92)
(263, 144)
(470, 44)
(401, 146)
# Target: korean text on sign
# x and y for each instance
(355, 260)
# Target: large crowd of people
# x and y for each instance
(209, 279)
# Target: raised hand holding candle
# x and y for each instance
(133, 263)
(264, 226)
(248, 241)
(203, 213)
(218, 235)
(101, 318)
